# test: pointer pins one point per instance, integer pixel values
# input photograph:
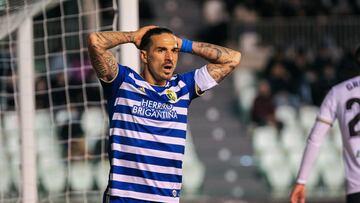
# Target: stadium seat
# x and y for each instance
(334, 176)
(12, 145)
(42, 119)
(5, 173)
(15, 164)
(102, 169)
(287, 115)
(246, 99)
(12, 133)
(48, 147)
(292, 139)
(244, 82)
(327, 154)
(52, 174)
(307, 115)
(264, 138)
(313, 180)
(193, 168)
(93, 123)
(61, 117)
(294, 161)
(243, 78)
(271, 159)
(47, 141)
(81, 176)
(278, 172)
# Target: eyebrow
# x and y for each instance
(176, 48)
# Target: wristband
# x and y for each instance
(186, 46)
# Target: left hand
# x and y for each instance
(179, 42)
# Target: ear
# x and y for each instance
(143, 56)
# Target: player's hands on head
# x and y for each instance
(138, 34)
(298, 194)
(178, 41)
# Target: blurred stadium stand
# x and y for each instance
(301, 48)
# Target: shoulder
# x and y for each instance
(345, 87)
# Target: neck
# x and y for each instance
(149, 77)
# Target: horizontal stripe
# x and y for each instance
(147, 159)
(147, 152)
(147, 136)
(134, 102)
(143, 196)
(135, 94)
(145, 174)
(131, 88)
(128, 110)
(148, 129)
(144, 181)
(141, 188)
(147, 144)
(146, 167)
(141, 83)
(176, 88)
(149, 122)
(185, 97)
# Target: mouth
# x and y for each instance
(168, 67)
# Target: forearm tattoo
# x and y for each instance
(222, 60)
(103, 61)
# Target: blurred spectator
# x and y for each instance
(10, 90)
(42, 96)
(348, 66)
(70, 131)
(326, 79)
(263, 109)
(56, 62)
(146, 11)
(58, 90)
(7, 79)
(216, 18)
(322, 58)
(300, 68)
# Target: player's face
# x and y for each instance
(161, 58)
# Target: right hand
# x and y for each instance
(298, 194)
(138, 34)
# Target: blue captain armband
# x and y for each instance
(186, 46)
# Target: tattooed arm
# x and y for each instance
(99, 43)
(222, 60)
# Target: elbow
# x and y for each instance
(93, 40)
(236, 58)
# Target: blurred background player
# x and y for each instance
(342, 103)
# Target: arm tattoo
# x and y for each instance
(103, 61)
(219, 72)
(222, 60)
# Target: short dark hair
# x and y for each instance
(146, 39)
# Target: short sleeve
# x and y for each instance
(328, 107)
(111, 87)
(188, 79)
(203, 79)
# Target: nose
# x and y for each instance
(169, 55)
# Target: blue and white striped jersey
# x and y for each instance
(147, 135)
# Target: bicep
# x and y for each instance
(219, 71)
(103, 62)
